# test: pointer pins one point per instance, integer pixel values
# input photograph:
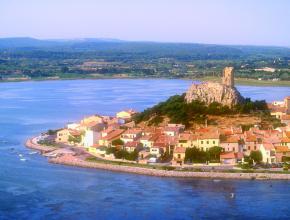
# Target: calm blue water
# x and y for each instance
(37, 190)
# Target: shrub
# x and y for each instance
(117, 142)
(256, 156)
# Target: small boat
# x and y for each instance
(216, 180)
(232, 195)
(20, 155)
(33, 152)
(22, 159)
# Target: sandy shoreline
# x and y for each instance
(71, 160)
(31, 143)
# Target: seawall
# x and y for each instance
(71, 160)
(74, 161)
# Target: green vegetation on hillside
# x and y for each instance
(178, 111)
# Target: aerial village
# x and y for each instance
(98, 134)
(119, 138)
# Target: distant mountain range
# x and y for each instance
(155, 49)
(19, 42)
(33, 42)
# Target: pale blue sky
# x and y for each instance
(255, 22)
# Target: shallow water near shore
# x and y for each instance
(35, 189)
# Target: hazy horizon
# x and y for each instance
(259, 22)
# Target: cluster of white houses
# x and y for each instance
(97, 132)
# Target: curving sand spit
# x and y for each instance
(32, 143)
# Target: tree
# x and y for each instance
(117, 142)
(123, 154)
(256, 156)
(51, 132)
(214, 153)
(110, 150)
(64, 69)
(75, 139)
(166, 156)
(195, 155)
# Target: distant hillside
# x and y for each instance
(26, 42)
(155, 49)
(29, 58)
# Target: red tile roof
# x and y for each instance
(231, 155)
(282, 149)
(231, 139)
(180, 150)
(114, 134)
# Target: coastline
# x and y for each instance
(71, 160)
(30, 143)
(239, 81)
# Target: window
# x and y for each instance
(249, 147)
(213, 142)
(179, 156)
(207, 142)
(201, 142)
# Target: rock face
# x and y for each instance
(208, 92)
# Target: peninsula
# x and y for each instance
(210, 131)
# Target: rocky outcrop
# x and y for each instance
(209, 92)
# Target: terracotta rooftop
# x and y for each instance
(285, 117)
(187, 136)
(285, 140)
(208, 135)
(268, 146)
(180, 150)
(278, 109)
(282, 149)
(160, 145)
(231, 155)
(231, 139)
(114, 134)
(133, 131)
(132, 144)
(287, 133)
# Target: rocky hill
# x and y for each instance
(224, 93)
(210, 92)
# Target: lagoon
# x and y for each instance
(35, 189)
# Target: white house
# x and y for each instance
(268, 153)
(92, 135)
(73, 126)
(131, 135)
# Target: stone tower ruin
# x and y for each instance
(228, 77)
(287, 104)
